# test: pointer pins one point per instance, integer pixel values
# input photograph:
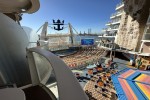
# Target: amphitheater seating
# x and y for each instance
(97, 87)
(83, 57)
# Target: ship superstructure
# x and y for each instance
(109, 34)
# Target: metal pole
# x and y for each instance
(111, 53)
(71, 34)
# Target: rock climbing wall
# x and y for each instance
(132, 25)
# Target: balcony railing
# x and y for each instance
(115, 27)
(146, 37)
(110, 29)
(106, 29)
(148, 22)
(108, 23)
(119, 5)
(115, 14)
(107, 45)
(114, 21)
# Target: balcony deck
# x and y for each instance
(119, 6)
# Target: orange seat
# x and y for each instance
(104, 78)
(100, 84)
(99, 69)
(90, 72)
(108, 74)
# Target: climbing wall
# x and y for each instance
(132, 25)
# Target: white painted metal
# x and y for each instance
(68, 86)
(19, 6)
(12, 94)
(13, 42)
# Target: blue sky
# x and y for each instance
(82, 14)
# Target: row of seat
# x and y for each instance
(101, 91)
(83, 57)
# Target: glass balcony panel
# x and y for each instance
(146, 37)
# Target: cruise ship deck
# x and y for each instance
(102, 82)
(121, 83)
(57, 64)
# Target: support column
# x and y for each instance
(140, 51)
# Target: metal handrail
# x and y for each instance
(68, 86)
(120, 4)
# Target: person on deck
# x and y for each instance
(139, 62)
